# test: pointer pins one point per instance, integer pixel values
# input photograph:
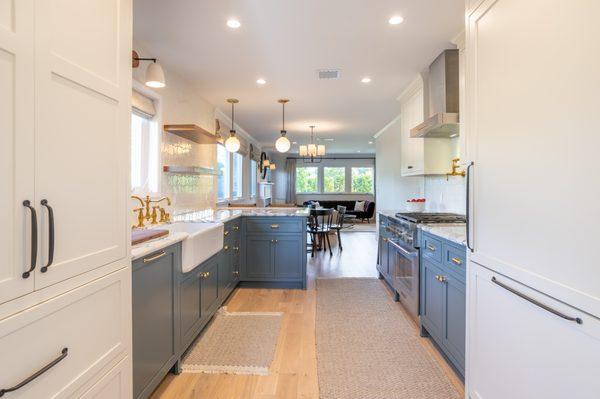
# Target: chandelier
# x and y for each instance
(312, 152)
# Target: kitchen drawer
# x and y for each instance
(431, 248)
(87, 327)
(280, 225)
(113, 385)
(455, 260)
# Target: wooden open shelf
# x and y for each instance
(193, 133)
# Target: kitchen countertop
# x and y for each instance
(209, 216)
(455, 232)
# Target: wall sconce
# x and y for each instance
(155, 76)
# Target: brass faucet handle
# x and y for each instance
(163, 215)
(140, 218)
(154, 215)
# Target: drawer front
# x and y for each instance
(91, 322)
(455, 260)
(274, 225)
(113, 385)
(431, 248)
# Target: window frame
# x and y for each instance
(240, 170)
(344, 188)
(154, 128)
(372, 190)
(318, 182)
(253, 179)
(226, 173)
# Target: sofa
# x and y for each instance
(367, 214)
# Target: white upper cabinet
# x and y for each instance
(533, 85)
(16, 146)
(65, 87)
(83, 90)
(421, 156)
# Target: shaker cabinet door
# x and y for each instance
(433, 299)
(288, 258)
(259, 257)
(83, 97)
(16, 147)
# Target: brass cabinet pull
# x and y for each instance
(226, 233)
(155, 257)
(63, 353)
(431, 247)
(274, 241)
(205, 274)
(226, 247)
(237, 249)
(385, 240)
(236, 228)
(456, 261)
(274, 226)
(441, 279)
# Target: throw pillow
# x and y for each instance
(359, 206)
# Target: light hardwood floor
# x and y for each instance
(293, 373)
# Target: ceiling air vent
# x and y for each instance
(329, 73)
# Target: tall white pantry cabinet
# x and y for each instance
(532, 81)
(65, 283)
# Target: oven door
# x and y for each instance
(404, 266)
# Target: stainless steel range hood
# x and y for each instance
(441, 112)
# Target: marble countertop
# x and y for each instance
(209, 216)
(455, 232)
(145, 248)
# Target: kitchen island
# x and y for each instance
(260, 247)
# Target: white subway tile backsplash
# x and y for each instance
(445, 195)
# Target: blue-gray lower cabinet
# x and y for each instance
(274, 250)
(383, 261)
(443, 296)
(155, 322)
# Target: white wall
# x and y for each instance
(182, 103)
(392, 189)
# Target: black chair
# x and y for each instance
(319, 227)
(339, 224)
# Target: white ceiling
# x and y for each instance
(285, 42)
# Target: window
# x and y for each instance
(237, 170)
(307, 179)
(334, 179)
(223, 169)
(144, 154)
(362, 180)
(253, 172)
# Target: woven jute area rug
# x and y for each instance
(368, 349)
(235, 343)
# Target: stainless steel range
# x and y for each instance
(399, 252)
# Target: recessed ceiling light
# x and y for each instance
(395, 20)
(261, 81)
(370, 142)
(366, 79)
(233, 23)
(294, 142)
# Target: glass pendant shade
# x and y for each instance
(303, 151)
(232, 144)
(272, 166)
(283, 144)
(266, 163)
(155, 76)
(312, 150)
(320, 150)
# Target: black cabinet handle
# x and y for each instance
(63, 354)
(34, 234)
(467, 210)
(50, 236)
(537, 303)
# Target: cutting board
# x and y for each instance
(139, 236)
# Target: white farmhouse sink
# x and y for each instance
(203, 241)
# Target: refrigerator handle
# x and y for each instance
(468, 211)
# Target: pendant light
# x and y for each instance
(232, 144)
(283, 143)
(312, 152)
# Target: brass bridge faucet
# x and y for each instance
(455, 171)
(145, 206)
